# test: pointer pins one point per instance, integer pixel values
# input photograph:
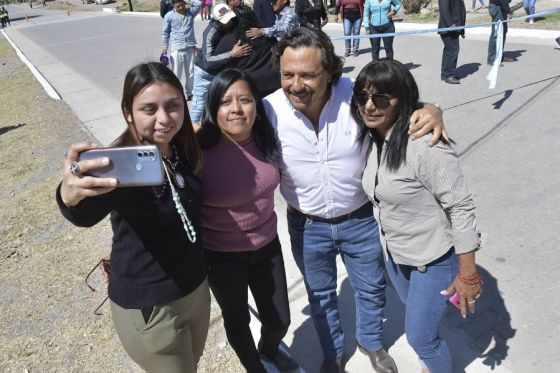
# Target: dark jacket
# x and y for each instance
(504, 4)
(259, 64)
(152, 260)
(311, 15)
(265, 14)
(452, 13)
(207, 59)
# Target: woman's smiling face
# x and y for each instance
(379, 111)
(158, 112)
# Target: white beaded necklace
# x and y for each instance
(187, 225)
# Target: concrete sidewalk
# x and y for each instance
(504, 140)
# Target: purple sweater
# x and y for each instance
(237, 187)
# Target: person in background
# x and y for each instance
(529, 7)
(425, 211)
(451, 13)
(499, 10)
(165, 6)
(238, 179)
(482, 5)
(352, 12)
(265, 13)
(160, 300)
(378, 19)
(205, 12)
(4, 17)
(178, 37)
(208, 63)
(311, 13)
(233, 3)
(321, 180)
(259, 63)
(286, 21)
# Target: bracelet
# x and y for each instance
(470, 280)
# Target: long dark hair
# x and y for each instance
(393, 78)
(141, 76)
(211, 133)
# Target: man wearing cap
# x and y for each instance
(207, 64)
(286, 21)
(178, 37)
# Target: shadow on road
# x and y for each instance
(467, 69)
(484, 335)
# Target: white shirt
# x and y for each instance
(321, 175)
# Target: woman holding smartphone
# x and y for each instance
(239, 177)
(423, 206)
(160, 301)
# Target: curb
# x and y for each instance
(40, 78)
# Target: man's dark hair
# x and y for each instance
(306, 37)
(177, 1)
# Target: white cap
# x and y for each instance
(222, 13)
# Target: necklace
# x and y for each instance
(172, 163)
(187, 225)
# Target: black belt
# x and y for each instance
(361, 212)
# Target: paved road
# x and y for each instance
(505, 139)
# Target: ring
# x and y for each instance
(478, 295)
(74, 168)
(472, 302)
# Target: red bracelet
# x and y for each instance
(470, 280)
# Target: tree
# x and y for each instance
(414, 6)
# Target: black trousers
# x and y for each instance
(230, 275)
(387, 41)
(450, 54)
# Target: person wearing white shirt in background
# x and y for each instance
(328, 210)
(178, 37)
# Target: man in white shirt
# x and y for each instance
(321, 179)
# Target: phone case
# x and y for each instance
(455, 300)
(131, 166)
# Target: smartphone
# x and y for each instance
(455, 299)
(131, 166)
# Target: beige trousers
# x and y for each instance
(173, 337)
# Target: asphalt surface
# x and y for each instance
(505, 138)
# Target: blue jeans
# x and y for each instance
(474, 3)
(497, 15)
(202, 80)
(352, 27)
(425, 307)
(315, 246)
(529, 6)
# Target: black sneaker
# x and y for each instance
(282, 362)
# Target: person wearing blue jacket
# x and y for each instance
(378, 19)
(178, 38)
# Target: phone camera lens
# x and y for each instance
(152, 154)
(145, 154)
(140, 154)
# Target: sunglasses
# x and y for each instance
(380, 101)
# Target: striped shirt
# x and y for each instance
(423, 208)
(286, 21)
